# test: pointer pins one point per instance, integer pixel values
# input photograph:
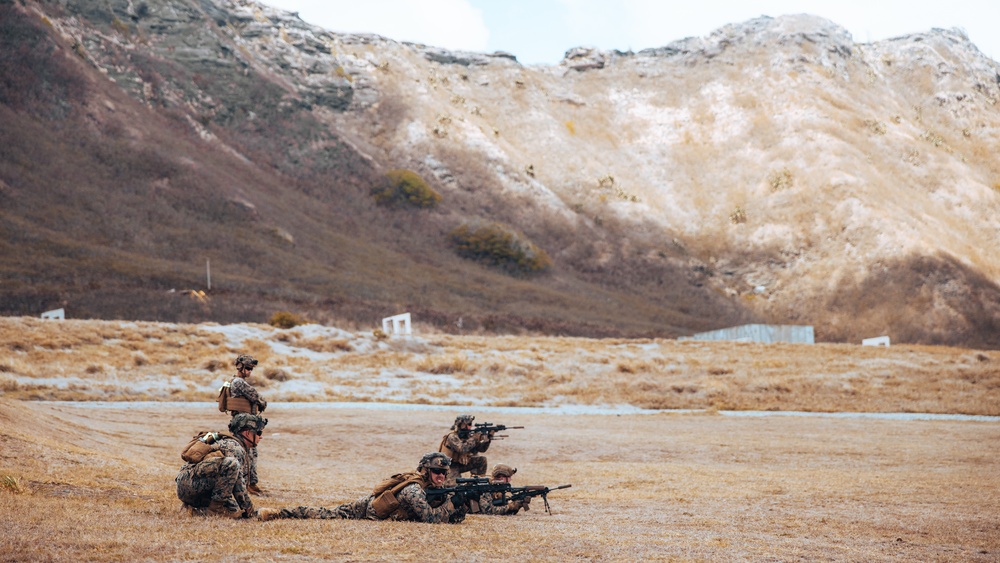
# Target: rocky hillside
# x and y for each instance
(774, 171)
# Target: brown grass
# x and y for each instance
(94, 482)
(108, 360)
(97, 485)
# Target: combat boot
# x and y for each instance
(217, 508)
(265, 514)
(255, 490)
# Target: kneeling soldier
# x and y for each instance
(461, 445)
(400, 497)
(214, 481)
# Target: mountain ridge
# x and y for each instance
(773, 171)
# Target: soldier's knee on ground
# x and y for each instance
(223, 509)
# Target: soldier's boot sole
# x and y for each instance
(265, 514)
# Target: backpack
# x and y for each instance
(205, 445)
(224, 397)
(385, 502)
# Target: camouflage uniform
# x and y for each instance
(413, 504)
(221, 479)
(485, 501)
(238, 387)
(486, 505)
(461, 446)
(412, 500)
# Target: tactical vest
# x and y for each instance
(234, 404)
(456, 459)
(384, 501)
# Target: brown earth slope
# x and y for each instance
(774, 170)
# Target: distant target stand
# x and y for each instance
(55, 314)
(397, 325)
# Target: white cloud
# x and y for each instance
(453, 24)
(540, 31)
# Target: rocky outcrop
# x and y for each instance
(774, 153)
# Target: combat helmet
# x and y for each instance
(245, 361)
(501, 469)
(246, 421)
(462, 419)
(434, 460)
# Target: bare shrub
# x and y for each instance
(738, 216)
(213, 365)
(457, 363)
(626, 367)
(8, 385)
(780, 179)
(324, 344)
(275, 374)
(286, 319)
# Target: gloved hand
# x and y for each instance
(458, 499)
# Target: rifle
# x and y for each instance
(485, 427)
(521, 493)
(473, 488)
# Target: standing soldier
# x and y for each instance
(214, 482)
(461, 445)
(400, 497)
(238, 396)
(501, 474)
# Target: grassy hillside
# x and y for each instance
(113, 208)
(845, 186)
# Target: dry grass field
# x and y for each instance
(92, 482)
(91, 477)
(80, 360)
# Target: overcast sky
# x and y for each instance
(541, 31)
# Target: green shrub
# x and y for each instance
(285, 319)
(405, 188)
(498, 245)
